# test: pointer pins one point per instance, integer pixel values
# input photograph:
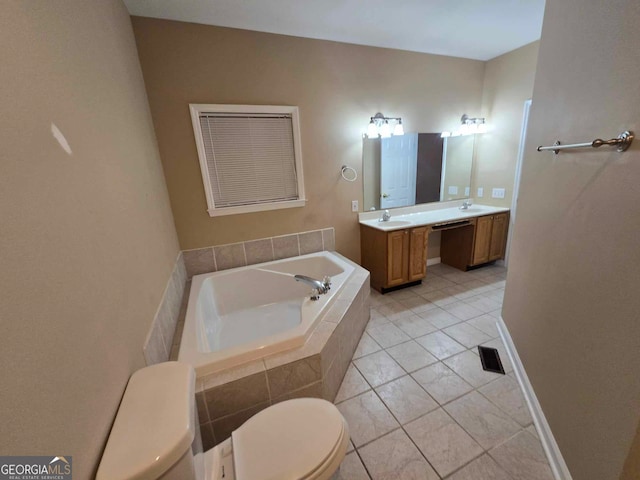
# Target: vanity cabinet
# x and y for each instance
(394, 258)
(399, 257)
(490, 239)
(484, 241)
(499, 230)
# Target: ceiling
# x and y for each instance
(478, 29)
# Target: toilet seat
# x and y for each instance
(298, 439)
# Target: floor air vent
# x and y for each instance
(490, 359)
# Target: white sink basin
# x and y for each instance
(474, 210)
(396, 223)
(431, 217)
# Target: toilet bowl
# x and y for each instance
(156, 436)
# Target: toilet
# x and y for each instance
(156, 435)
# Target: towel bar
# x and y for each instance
(622, 142)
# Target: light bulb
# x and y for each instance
(482, 128)
(372, 130)
(464, 129)
(398, 129)
(385, 130)
(445, 134)
(473, 128)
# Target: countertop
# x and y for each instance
(429, 216)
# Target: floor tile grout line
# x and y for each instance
(421, 368)
(499, 407)
(439, 360)
(464, 465)
(438, 329)
(442, 308)
(488, 451)
(364, 465)
(439, 405)
(402, 427)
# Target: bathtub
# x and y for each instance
(244, 314)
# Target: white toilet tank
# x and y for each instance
(155, 434)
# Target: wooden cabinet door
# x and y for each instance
(498, 236)
(397, 257)
(482, 241)
(418, 253)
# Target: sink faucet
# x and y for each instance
(385, 216)
(465, 205)
(320, 287)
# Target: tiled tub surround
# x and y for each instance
(233, 255)
(227, 399)
(419, 405)
(247, 313)
(161, 338)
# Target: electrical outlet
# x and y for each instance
(354, 206)
(480, 192)
(466, 191)
(453, 190)
(498, 193)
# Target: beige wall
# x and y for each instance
(508, 82)
(87, 241)
(572, 300)
(337, 87)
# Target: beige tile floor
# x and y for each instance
(419, 405)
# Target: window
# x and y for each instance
(250, 157)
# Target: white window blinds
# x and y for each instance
(250, 158)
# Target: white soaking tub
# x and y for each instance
(243, 314)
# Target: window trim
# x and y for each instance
(197, 108)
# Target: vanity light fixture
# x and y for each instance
(473, 125)
(385, 130)
(384, 127)
(398, 129)
(468, 126)
(372, 130)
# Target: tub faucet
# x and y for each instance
(465, 205)
(320, 287)
(385, 216)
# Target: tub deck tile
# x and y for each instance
(232, 374)
(237, 395)
(293, 376)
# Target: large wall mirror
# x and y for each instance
(415, 168)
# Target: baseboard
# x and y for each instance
(551, 449)
(433, 261)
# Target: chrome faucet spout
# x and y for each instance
(385, 216)
(465, 205)
(322, 286)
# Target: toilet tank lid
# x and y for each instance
(155, 424)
